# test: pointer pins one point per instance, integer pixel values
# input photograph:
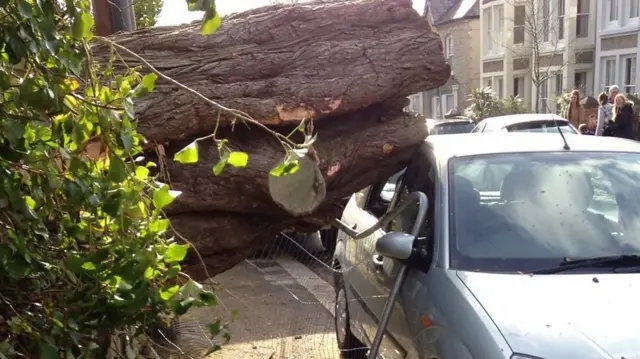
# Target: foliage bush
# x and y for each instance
(84, 247)
(483, 103)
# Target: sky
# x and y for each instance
(175, 12)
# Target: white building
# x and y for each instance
(617, 45)
(562, 31)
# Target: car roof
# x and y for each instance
(469, 144)
(449, 120)
(508, 120)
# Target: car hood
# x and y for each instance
(563, 316)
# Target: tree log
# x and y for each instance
(280, 64)
(353, 151)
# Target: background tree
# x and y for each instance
(539, 40)
(147, 12)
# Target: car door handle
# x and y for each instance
(378, 261)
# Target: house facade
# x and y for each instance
(617, 44)
(538, 49)
(458, 23)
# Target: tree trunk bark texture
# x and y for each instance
(282, 63)
(347, 66)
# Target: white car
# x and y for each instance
(528, 122)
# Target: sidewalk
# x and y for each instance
(284, 312)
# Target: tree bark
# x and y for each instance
(280, 64)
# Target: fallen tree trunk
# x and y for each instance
(345, 65)
(280, 64)
(353, 150)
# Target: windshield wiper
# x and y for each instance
(613, 261)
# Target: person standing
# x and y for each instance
(575, 112)
(621, 124)
(604, 113)
(614, 90)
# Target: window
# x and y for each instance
(419, 176)
(447, 103)
(499, 27)
(545, 20)
(629, 74)
(587, 201)
(634, 9)
(488, 27)
(448, 46)
(561, 12)
(609, 73)
(543, 92)
(415, 104)
(487, 82)
(435, 108)
(582, 19)
(500, 87)
(613, 10)
(518, 86)
(580, 81)
(518, 24)
(381, 194)
(559, 84)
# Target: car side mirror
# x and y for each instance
(396, 245)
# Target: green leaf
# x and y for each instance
(147, 85)
(164, 196)
(219, 167)
(238, 159)
(25, 9)
(285, 168)
(88, 266)
(142, 173)
(188, 154)
(82, 26)
(175, 252)
(169, 293)
(117, 171)
(48, 351)
(211, 25)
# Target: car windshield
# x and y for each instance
(541, 126)
(527, 211)
(452, 128)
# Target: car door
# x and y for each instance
(361, 213)
(419, 176)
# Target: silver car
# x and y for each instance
(542, 263)
(526, 122)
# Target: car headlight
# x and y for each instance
(523, 356)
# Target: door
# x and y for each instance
(361, 213)
(420, 176)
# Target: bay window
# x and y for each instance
(609, 72)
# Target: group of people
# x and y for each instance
(614, 117)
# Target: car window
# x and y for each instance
(485, 176)
(541, 127)
(420, 176)
(451, 128)
(381, 195)
(550, 206)
(479, 127)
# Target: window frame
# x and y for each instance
(448, 46)
(543, 88)
(517, 28)
(421, 175)
(605, 81)
(582, 14)
(624, 67)
(612, 9)
(561, 13)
